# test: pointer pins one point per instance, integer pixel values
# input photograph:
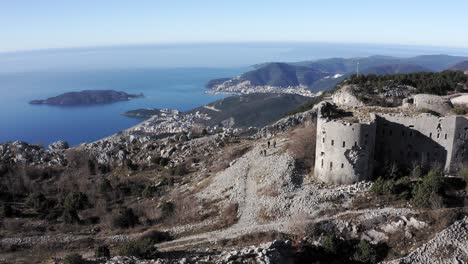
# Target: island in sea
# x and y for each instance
(87, 97)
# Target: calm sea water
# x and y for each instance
(163, 88)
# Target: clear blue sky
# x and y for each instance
(39, 24)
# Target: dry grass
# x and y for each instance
(301, 144)
(229, 154)
(300, 225)
(271, 191)
(265, 216)
(229, 215)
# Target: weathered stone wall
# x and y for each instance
(430, 102)
(347, 152)
(421, 140)
(344, 151)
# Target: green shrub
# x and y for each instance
(7, 210)
(125, 219)
(416, 172)
(76, 201)
(74, 259)
(167, 208)
(102, 252)
(105, 186)
(37, 201)
(330, 244)
(70, 216)
(141, 248)
(149, 191)
(365, 252)
(156, 236)
(425, 193)
(382, 186)
(163, 162)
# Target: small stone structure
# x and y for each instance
(348, 147)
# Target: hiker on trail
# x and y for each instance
(274, 143)
(268, 143)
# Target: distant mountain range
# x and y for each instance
(324, 74)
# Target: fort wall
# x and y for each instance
(344, 151)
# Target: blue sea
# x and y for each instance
(170, 76)
(181, 89)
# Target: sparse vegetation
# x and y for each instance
(427, 192)
(74, 259)
(365, 252)
(102, 251)
(381, 186)
(460, 110)
(439, 83)
(141, 248)
(301, 145)
(125, 218)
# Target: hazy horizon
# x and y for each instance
(201, 55)
(52, 24)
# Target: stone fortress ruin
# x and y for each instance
(354, 139)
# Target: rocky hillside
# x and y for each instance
(236, 112)
(171, 191)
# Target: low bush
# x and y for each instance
(74, 259)
(141, 248)
(7, 211)
(37, 201)
(102, 252)
(460, 110)
(76, 201)
(426, 192)
(365, 252)
(70, 216)
(382, 186)
(105, 186)
(157, 236)
(149, 191)
(125, 218)
(330, 244)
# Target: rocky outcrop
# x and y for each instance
(59, 145)
(344, 97)
(18, 152)
(272, 252)
(449, 246)
(288, 122)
